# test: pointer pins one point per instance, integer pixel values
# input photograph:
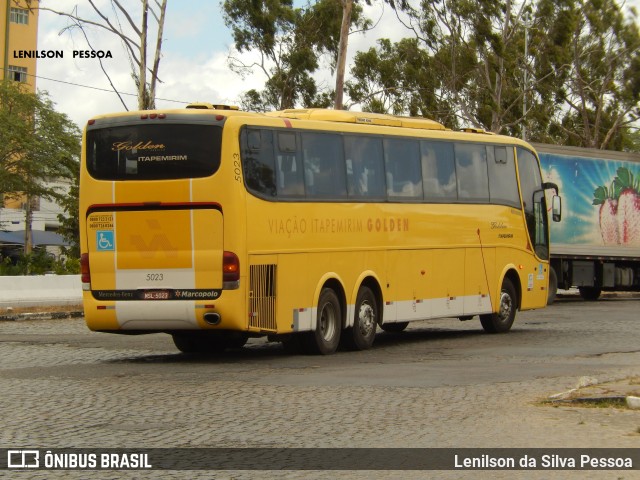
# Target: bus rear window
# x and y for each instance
(153, 152)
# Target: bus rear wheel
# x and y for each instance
(202, 342)
(190, 343)
(394, 327)
(363, 332)
(326, 336)
(501, 321)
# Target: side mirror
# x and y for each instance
(556, 208)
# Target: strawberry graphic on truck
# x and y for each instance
(620, 209)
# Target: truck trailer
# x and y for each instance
(596, 246)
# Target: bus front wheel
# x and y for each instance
(501, 321)
(326, 336)
(553, 286)
(365, 321)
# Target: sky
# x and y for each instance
(194, 65)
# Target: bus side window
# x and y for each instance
(290, 174)
(365, 167)
(258, 161)
(403, 168)
(439, 171)
(324, 165)
(471, 169)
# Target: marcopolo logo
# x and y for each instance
(23, 459)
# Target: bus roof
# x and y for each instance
(367, 118)
(312, 114)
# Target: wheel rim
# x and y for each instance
(366, 319)
(506, 307)
(327, 322)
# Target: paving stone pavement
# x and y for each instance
(77, 390)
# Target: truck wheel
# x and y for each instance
(590, 293)
(501, 321)
(326, 337)
(553, 286)
(363, 332)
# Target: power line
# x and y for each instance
(99, 88)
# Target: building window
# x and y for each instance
(18, 74)
(20, 15)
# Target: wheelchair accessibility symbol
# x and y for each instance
(105, 240)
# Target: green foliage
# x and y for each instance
(39, 262)
(290, 42)
(69, 220)
(36, 143)
(602, 90)
(397, 78)
(559, 71)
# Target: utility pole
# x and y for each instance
(28, 235)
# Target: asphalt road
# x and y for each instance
(439, 384)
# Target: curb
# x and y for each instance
(16, 317)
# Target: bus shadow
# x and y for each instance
(263, 350)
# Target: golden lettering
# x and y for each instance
(129, 145)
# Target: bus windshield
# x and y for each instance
(153, 151)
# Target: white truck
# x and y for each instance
(596, 246)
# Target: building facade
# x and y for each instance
(19, 33)
(18, 62)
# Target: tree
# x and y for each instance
(476, 52)
(398, 78)
(134, 37)
(290, 42)
(69, 220)
(602, 89)
(36, 143)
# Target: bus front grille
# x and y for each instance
(262, 297)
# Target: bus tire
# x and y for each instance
(293, 343)
(232, 341)
(553, 286)
(394, 327)
(501, 321)
(326, 336)
(190, 343)
(203, 342)
(363, 332)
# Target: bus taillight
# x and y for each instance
(230, 271)
(85, 273)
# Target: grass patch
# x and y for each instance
(589, 402)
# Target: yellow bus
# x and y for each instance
(312, 227)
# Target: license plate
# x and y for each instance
(155, 295)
